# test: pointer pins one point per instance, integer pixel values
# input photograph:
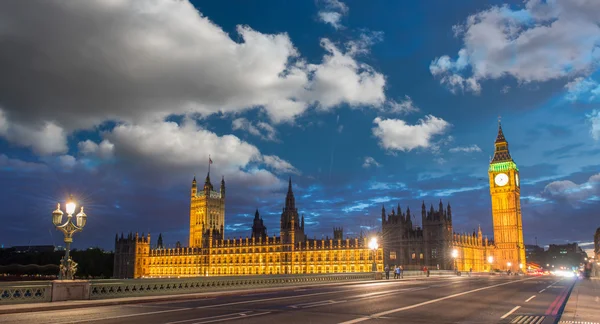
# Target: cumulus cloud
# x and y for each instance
(153, 59)
(260, 129)
(594, 121)
(466, 149)
(572, 192)
(397, 135)
(332, 12)
(369, 162)
(405, 106)
(543, 41)
(184, 149)
(279, 165)
(103, 150)
(44, 138)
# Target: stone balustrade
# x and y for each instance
(46, 291)
(25, 292)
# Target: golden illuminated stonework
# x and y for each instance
(505, 191)
(209, 254)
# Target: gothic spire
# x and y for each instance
(501, 152)
(500, 137)
(290, 201)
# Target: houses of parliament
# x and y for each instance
(434, 244)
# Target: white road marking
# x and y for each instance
(530, 298)
(268, 299)
(130, 315)
(510, 312)
(541, 291)
(391, 311)
(230, 318)
(206, 318)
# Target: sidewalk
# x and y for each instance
(38, 307)
(583, 305)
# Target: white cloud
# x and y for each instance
(405, 106)
(332, 18)
(153, 59)
(183, 149)
(260, 129)
(333, 12)
(341, 79)
(540, 42)
(103, 150)
(572, 192)
(279, 165)
(396, 134)
(44, 138)
(466, 149)
(584, 89)
(369, 162)
(363, 44)
(594, 120)
(67, 161)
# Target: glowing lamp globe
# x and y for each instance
(491, 259)
(373, 244)
(57, 215)
(81, 218)
(70, 206)
(455, 253)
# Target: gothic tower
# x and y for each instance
(505, 191)
(207, 211)
(292, 227)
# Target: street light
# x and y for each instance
(373, 245)
(508, 265)
(68, 267)
(490, 261)
(454, 256)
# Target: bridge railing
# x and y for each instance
(46, 291)
(22, 292)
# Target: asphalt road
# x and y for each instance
(531, 300)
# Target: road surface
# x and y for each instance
(496, 299)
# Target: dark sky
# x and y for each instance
(364, 104)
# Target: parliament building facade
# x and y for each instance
(210, 254)
(433, 244)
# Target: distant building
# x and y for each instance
(33, 248)
(565, 255)
(535, 255)
(597, 245)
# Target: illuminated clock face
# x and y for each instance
(517, 179)
(501, 179)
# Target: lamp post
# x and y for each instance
(454, 256)
(490, 260)
(373, 245)
(508, 265)
(68, 267)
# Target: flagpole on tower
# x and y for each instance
(209, 163)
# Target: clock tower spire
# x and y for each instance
(505, 191)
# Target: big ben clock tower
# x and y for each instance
(505, 191)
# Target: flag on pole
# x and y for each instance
(209, 160)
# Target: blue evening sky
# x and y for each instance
(363, 103)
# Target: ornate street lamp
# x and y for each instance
(490, 260)
(373, 245)
(508, 265)
(454, 256)
(68, 267)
